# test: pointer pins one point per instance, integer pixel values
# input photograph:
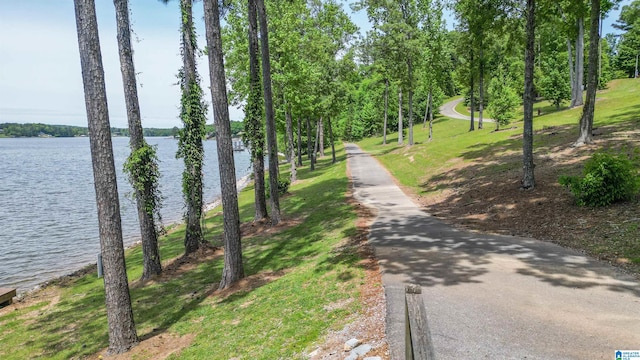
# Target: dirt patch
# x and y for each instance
(247, 284)
(156, 348)
(485, 195)
(262, 227)
(176, 267)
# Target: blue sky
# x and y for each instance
(40, 78)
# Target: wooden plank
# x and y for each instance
(6, 296)
(419, 344)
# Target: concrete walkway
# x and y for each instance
(493, 297)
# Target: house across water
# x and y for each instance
(238, 144)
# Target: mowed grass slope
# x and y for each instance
(619, 105)
(301, 283)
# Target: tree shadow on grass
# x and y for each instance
(77, 325)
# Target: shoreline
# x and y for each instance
(92, 267)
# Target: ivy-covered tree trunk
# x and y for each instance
(142, 166)
(254, 128)
(121, 326)
(291, 150)
(190, 147)
(386, 109)
(579, 65)
(333, 146)
(400, 126)
(233, 269)
(272, 143)
(528, 179)
(299, 140)
(586, 121)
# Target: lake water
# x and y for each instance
(48, 216)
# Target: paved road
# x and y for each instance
(493, 297)
(449, 110)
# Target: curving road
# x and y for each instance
(489, 296)
(449, 110)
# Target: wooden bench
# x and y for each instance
(6, 296)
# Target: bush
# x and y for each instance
(607, 178)
(283, 186)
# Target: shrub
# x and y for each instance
(606, 178)
(283, 186)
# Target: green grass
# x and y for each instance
(617, 109)
(281, 318)
(545, 107)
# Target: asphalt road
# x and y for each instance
(493, 297)
(449, 110)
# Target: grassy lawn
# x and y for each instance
(296, 276)
(484, 159)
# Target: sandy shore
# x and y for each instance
(241, 184)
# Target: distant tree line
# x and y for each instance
(36, 130)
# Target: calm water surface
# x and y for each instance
(48, 216)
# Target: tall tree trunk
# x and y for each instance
(586, 121)
(579, 64)
(528, 179)
(272, 143)
(315, 144)
(426, 113)
(386, 109)
(473, 104)
(400, 116)
(190, 143)
(292, 153)
(430, 107)
(233, 269)
(571, 73)
(121, 326)
(321, 137)
(299, 141)
(333, 146)
(254, 128)
(410, 68)
(309, 145)
(145, 185)
(481, 80)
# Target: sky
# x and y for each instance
(40, 76)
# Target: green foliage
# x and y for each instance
(142, 170)
(607, 178)
(193, 115)
(628, 46)
(503, 98)
(283, 186)
(554, 82)
(43, 130)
